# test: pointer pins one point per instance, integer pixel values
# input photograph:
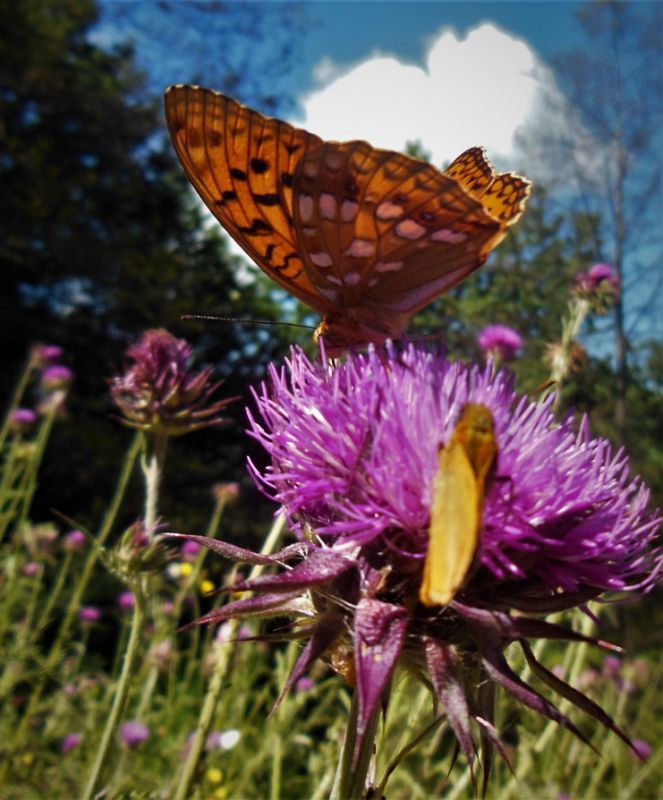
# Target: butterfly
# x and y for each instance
(465, 466)
(365, 237)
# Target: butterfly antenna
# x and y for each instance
(209, 318)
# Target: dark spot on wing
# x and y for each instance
(257, 228)
(270, 199)
(259, 165)
(238, 174)
(288, 179)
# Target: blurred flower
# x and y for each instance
(207, 586)
(161, 654)
(599, 287)
(75, 541)
(32, 568)
(223, 740)
(134, 733)
(42, 354)
(224, 633)
(214, 775)
(570, 359)
(225, 493)
(642, 748)
(190, 550)
(611, 667)
(39, 539)
(126, 602)
(500, 343)
(159, 393)
(354, 454)
(56, 377)
(89, 614)
(22, 419)
(70, 742)
(167, 606)
(185, 569)
(303, 685)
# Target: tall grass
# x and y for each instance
(68, 680)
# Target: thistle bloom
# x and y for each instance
(158, 392)
(134, 733)
(499, 342)
(71, 742)
(75, 541)
(89, 615)
(126, 602)
(353, 456)
(599, 287)
(56, 377)
(42, 354)
(23, 419)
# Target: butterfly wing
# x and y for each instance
(383, 234)
(243, 164)
(465, 466)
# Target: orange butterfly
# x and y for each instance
(366, 237)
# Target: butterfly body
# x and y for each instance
(366, 237)
(465, 466)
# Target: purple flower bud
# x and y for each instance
(56, 377)
(42, 354)
(70, 742)
(75, 541)
(611, 667)
(500, 342)
(89, 615)
(134, 733)
(226, 493)
(158, 391)
(32, 568)
(126, 602)
(643, 748)
(190, 550)
(599, 285)
(304, 685)
(23, 419)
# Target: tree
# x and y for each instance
(101, 239)
(604, 155)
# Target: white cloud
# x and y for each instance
(474, 90)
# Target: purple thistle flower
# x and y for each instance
(353, 456)
(126, 602)
(32, 568)
(23, 419)
(56, 377)
(133, 733)
(89, 615)
(642, 749)
(190, 550)
(75, 541)
(70, 742)
(159, 392)
(599, 286)
(499, 342)
(42, 354)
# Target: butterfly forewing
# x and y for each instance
(242, 164)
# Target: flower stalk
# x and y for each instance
(224, 652)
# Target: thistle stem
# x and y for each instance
(121, 692)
